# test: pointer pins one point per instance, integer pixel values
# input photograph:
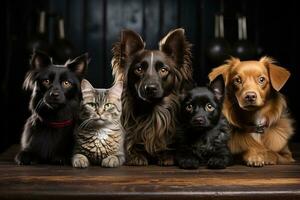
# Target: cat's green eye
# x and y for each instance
(108, 106)
(94, 105)
(209, 107)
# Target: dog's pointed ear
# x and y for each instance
(278, 75)
(79, 64)
(40, 60)
(218, 87)
(174, 44)
(131, 42)
(223, 69)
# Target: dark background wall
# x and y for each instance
(94, 25)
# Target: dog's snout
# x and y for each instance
(250, 96)
(151, 88)
(199, 120)
(54, 93)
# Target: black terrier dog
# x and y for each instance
(48, 132)
(203, 136)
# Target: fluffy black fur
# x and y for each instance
(48, 132)
(203, 135)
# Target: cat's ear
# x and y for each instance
(86, 88)
(79, 64)
(218, 87)
(116, 89)
(40, 60)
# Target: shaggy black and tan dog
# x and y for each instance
(152, 81)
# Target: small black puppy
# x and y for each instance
(203, 135)
(48, 132)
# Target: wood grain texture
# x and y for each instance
(152, 182)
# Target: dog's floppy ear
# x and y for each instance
(131, 42)
(40, 60)
(278, 75)
(223, 69)
(174, 45)
(218, 87)
(79, 64)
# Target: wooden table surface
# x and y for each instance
(151, 182)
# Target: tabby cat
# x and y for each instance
(99, 136)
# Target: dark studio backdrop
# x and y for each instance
(94, 25)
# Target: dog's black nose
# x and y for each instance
(54, 93)
(250, 96)
(200, 120)
(151, 88)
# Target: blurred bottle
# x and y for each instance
(39, 40)
(218, 49)
(62, 49)
(243, 49)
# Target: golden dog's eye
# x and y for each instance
(209, 107)
(46, 82)
(66, 84)
(261, 80)
(189, 108)
(237, 80)
(164, 71)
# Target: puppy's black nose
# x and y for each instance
(250, 96)
(151, 88)
(200, 120)
(54, 93)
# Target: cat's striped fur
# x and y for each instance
(99, 136)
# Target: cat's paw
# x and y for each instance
(189, 163)
(217, 163)
(136, 160)
(111, 161)
(80, 161)
(23, 158)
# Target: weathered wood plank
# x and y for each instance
(152, 182)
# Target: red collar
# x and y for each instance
(59, 124)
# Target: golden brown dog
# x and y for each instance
(256, 111)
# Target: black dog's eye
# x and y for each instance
(237, 80)
(66, 84)
(189, 108)
(138, 70)
(46, 82)
(164, 71)
(261, 80)
(209, 107)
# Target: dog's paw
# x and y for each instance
(111, 161)
(189, 163)
(136, 160)
(80, 161)
(255, 160)
(166, 160)
(217, 163)
(23, 158)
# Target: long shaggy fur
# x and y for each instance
(153, 126)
